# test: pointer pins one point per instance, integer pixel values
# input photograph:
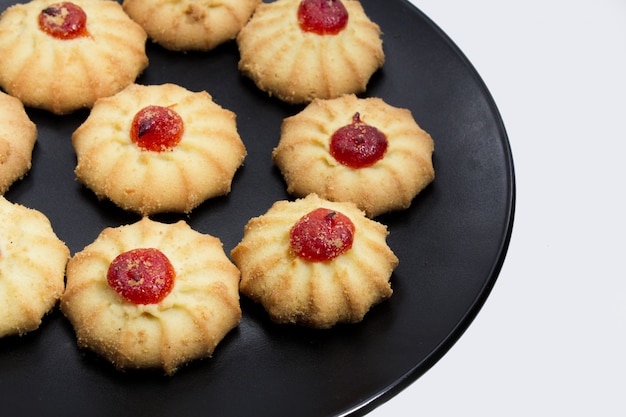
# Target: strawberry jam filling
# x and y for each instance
(157, 129)
(321, 235)
(358, 145)
(323, 17)
(141, 276)
(63, 21)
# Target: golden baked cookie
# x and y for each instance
(187, 25)
(158, 148)
(284, 54)
(360, 150)
(315, 262)
(152, 295)
(32, 268)
(63, 56)
(18, 135)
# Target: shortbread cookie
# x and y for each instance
(63, 56)
(360, 150)
(188, 25)
(152, 295)
(314, 262)
(293, 51)
(32, 268)
(159, 148)
(17, 139)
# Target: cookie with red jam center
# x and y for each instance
(299, 50)
(62, 56)
(360, 150)
(158, 148)
(315, 262)
(144, 296)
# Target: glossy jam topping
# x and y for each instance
(63, 21)
(141, 276)
(321, 235)
(358, 145)
(157, 129)
(323, 17)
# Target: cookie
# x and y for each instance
(158, 148)
(32, 268)
(285, 55)
(189, 25)
(18, 135)
(360, 150)
(314, 262)
(63, 56)
(152, 295)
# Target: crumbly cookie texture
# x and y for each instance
(202, 307)
(391, 183)
(314, 294)
(64, 75)
(201, 166)
(298, 66)
(18, 135)
(188, 25)
(32, 268)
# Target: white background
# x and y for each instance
(551, 338)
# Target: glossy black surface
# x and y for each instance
(451, 244)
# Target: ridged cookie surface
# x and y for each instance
(202, 307)
(298, 66)
(200, 166)
(304, 158)
(32, 268)
(18, 135)
(63, 75)
(189, 25)
(315, 294)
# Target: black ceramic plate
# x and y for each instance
(451, 244)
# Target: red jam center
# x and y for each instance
(321, 235)
(358, 145)
(141, 276)
(323, 17)
(157, 129)
(63, 21)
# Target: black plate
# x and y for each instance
(451, 244)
